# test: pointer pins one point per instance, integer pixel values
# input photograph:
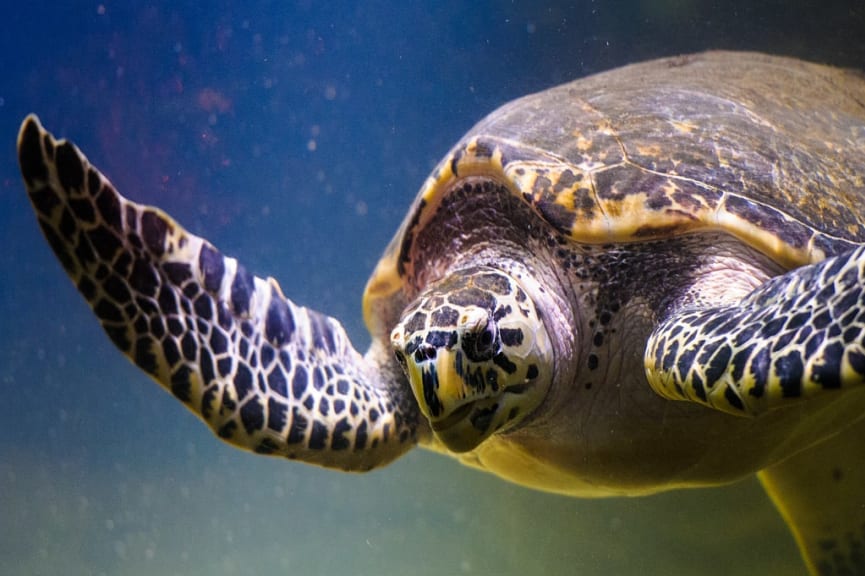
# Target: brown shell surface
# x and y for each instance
(769, 149)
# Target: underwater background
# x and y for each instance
(294, 135)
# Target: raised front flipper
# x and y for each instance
(265, 374)
(798, 335)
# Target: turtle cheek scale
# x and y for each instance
(477, 355)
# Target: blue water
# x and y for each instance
(294, 136)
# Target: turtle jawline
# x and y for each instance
(454, 418)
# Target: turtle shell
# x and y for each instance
(768, 149)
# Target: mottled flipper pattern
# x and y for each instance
(265, 374)
(796, 336)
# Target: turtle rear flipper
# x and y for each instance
(265, 374)
(821, 494)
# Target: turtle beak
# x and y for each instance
(443, 399)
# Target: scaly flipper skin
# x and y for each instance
(796, 336)
(265, 374)
(821, 494)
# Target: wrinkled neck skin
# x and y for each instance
(601, 430)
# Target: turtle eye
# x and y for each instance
(481, 343)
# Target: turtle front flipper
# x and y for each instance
(821, 494)
(795, 337)
(265, 374)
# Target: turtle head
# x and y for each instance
(476, 353)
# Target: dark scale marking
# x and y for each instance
(342, 386)
(338, 406)
(318, 378)
(789, 369)
(670, 357)
(85, 254)
(503, 362)
(228, 403)
(117, 289)
(212, 267)
(740, 361)
(298, 383)
(598, 339)
(189, 347)
(87, 288)
(178, 273)
(141, 325)
(718, 365)
(267, 354)
(828, 374)
(276, 381)
(444, 317)
(190, 291)
(297, 430)
(203, 307)
(157, 327)
(117, 334)
(339, 441)
(822, 320)
(106, 311)
(83, 210)
(241, 290)
(360, 436)
(181, 387)
(69, 168)
(857, 361)
(171, 352)
(45, 200)
(441, 338)
(67, 225)
(323, 406)
(851, 335)
(511, 336)
(225, 366)
(266, 446)
(30, 153)
(252, 416)
(143, 279)
(429, 380)
(224, 317)
(760, 367)
(277, 415)
(153, 231)
(106, 243)
(318, 437)
(783, 341)
(279, 325)
(733, 398)
(226, 431)
(207, 402)
(206, 365)
(592, 362)
(218, 342)
(322, 335)
(144, 357)
(685, 361)
(243, 382)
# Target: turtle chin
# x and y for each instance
(466, 427)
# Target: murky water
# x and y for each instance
(294, 137)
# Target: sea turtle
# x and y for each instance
(646, 279)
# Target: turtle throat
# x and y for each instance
(476, 353)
